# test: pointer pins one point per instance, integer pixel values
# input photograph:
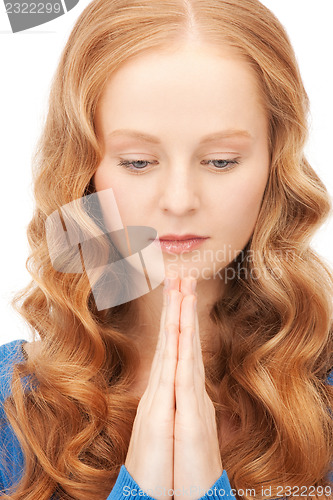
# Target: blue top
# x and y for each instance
(12, 466)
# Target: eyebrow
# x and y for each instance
(225, 134)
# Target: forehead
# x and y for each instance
(194, 83)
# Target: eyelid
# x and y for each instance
(211, 156)
(128, 164)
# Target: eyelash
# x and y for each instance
(127, 164)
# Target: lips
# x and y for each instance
(172, 243)
(177, 237)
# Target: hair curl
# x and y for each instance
(275, 317)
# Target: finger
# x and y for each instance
(188, 285)
(185, 389)
(160, 339)
(200, 375)
(187, 317)
(163, 384)
(169, 283)
(170, 315)
(172, 282)
(155, 371)
(157, 360)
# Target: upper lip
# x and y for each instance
(173, 237)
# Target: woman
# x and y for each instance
(193, 114)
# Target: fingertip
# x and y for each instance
(173, 282)
(191, 299)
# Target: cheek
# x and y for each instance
(101, 179)
(128, 197)
(241, 207)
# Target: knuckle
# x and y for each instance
(189, 329)
(182, 384)
(171, 327)
(176, 293)
(190, 298)
(185, 357)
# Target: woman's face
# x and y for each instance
(193, 126)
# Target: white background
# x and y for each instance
(28, 61)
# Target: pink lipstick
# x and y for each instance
(173, 243)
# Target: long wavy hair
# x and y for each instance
(275, 316)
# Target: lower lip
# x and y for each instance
(179, 246)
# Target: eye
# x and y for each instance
(137, 165)
(132, 165)
(222, 164)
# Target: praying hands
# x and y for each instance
(174, 442)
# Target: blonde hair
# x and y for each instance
(275, 318)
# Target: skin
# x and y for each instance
(180, 96)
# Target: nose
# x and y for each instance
(180, 189)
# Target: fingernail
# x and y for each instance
(194, 284)
(166, 282)
(195, 305)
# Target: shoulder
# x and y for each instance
(10, 354)
(11, 457)
(329, 379)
